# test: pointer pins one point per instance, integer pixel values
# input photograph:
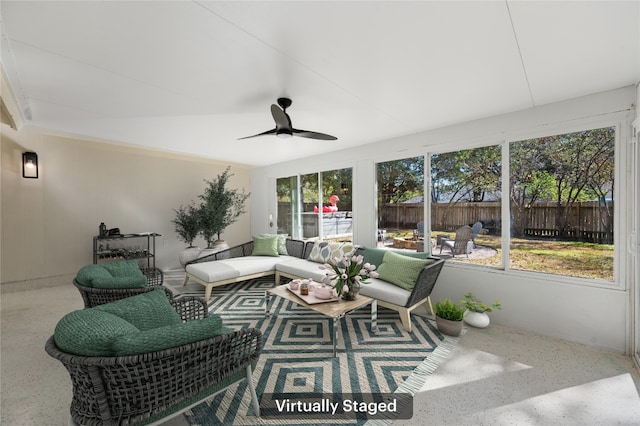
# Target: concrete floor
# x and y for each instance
(494, 376)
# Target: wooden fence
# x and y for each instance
(587, 221)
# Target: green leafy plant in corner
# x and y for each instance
(187, 223)
(448, 310)
(220, 206)
(475, 305)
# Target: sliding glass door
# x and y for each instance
(316, 205)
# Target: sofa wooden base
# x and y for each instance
(405, 312)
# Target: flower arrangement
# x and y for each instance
(474, 305)
(348, 271)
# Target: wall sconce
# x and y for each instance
(30, 165)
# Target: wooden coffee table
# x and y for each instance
(336, 309)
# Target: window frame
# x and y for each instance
(621, 123)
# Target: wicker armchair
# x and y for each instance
(94, 295)
(99, 296)
(153, 387)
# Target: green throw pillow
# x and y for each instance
(265, 245)
(282, 243)
(375, 255)
(145, 311)
(169, 336)
(401, 270)
(90, 332)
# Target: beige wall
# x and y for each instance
(47, 224)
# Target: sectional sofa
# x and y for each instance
(406, 278)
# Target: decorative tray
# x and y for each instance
(310, 298)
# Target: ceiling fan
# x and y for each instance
(284, 129)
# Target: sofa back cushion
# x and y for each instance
(322, 251)
(401, 270)
(376, 255)
(282, 242)
(265, 245)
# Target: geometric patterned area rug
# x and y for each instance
(297, 356)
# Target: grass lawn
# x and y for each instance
(577, 259)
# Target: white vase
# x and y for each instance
(189, 254)
(476, 319)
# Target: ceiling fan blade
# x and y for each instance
(280, 117)
(313, 135)
(268, 132)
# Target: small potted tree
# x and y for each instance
(449, 317)
(219, 208)
(187, 226)
(476, 311)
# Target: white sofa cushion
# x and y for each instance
(302, 268)
(383, 290)
(226, 269)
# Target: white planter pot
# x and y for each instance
(476, 319)
(189, 254)
(217, 246)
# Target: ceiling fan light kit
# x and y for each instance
(284, 129)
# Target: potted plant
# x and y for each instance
(187, 226)
(219, 208)
(476, 311)
(449, 317)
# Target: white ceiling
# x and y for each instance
(194, 76)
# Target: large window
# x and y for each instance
(401, 204)
(560, 206)
(561, 194)
(466, 205)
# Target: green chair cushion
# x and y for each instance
(100, 276)
(90, 332)
(265, 245)
(145, 311)
(376, 255)
(124, 268)
(401, 270)
(169, 336)
(90, 273)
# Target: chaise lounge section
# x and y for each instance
(407, 283)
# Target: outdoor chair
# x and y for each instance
(147, 358)
(476, 228)
(419, 232)
(103, 283)
(461, 242)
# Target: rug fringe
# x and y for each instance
(419, 376)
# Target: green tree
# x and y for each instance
(400, 180)
(565, 169)
(465, 176)
(220, 207)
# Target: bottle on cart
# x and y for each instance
(102, 229)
